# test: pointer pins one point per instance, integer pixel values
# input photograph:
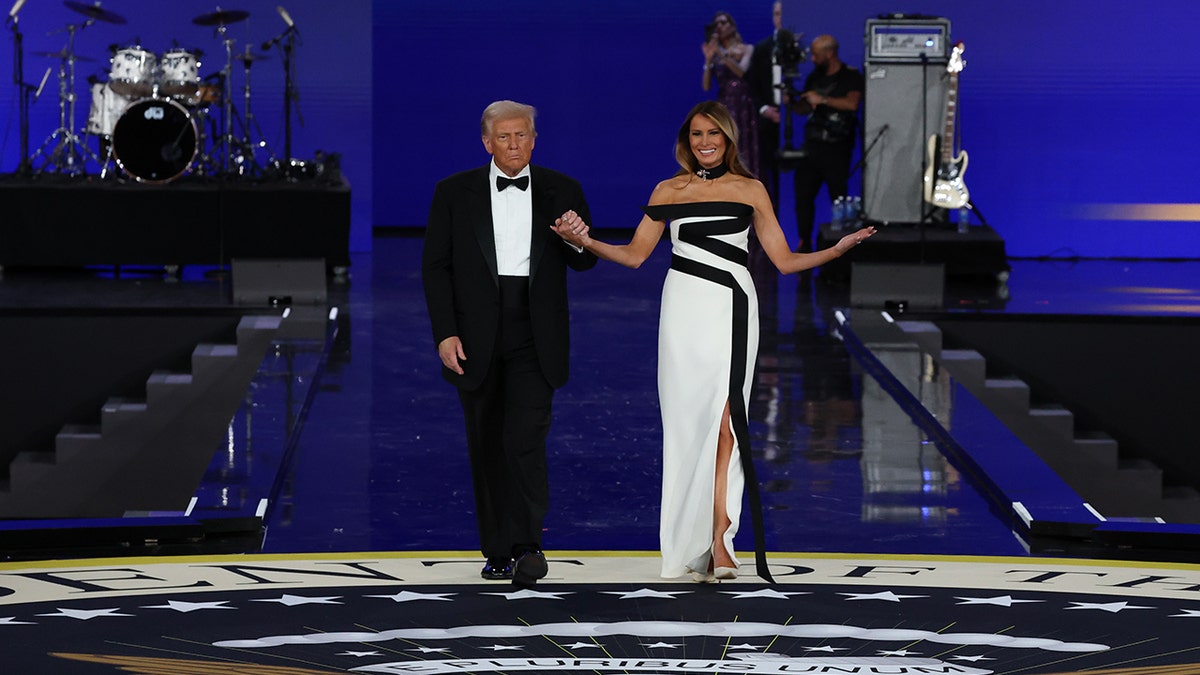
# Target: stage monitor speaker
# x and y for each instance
(892, 120)
(279, 282)
(897, 286)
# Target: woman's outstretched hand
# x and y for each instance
(572, 229)
(853, 239)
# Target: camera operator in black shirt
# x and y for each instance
(831, 96)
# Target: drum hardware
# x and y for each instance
(220, 19)
(63, 149)
(247, 161)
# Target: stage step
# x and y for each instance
(1088, 461)
(145, 455)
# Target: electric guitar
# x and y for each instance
(944, 185)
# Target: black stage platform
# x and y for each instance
(978, 252)
(56, 221)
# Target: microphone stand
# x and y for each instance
(25, 168)
(289, 92)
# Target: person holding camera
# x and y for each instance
(726, 60)
(831, 96)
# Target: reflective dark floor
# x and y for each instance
(380, 463)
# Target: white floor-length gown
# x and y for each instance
(707, 345)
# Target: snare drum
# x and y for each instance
(155, 141)
(107, 106)
(180, 75)
(132, 72)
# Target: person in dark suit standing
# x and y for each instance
(764, 76)
(496, 290)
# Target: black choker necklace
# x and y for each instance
(713, 173)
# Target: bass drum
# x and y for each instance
(154, 141)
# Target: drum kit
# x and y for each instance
(156, 117)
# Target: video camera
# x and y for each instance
(789, 53)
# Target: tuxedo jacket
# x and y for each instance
(462, 288)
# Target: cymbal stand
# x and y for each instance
(223, 146)
(65, 152)
(247, 161)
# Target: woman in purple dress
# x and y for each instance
(726, 58)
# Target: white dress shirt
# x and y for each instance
(512, 222)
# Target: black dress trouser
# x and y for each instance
(507, 420)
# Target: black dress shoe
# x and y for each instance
(530, 567)
(497, 569)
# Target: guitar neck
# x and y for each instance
(951, 117)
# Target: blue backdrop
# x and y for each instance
(1078, 115)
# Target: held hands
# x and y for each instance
(853, 239)
(572, 229)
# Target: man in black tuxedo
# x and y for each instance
(763, 81)
(496, 290)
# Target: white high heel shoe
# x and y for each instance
(725, 573)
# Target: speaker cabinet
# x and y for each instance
(897, 286)
(279, 282)
(899, 121)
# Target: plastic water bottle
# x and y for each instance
(964, 219)
(839, 213)
(856, 211)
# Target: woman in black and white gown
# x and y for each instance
(708, 335)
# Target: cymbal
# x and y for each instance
(221, 17)
(247, 57)
(95, 11)
(62, 54)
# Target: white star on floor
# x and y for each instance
(505, 648)
(826, 648)
(361, 654)
(972, 659)
(1113, 607)
(646, 593)
(429, 650)
(296, 600)
(999, 601)
(897, 652)
(660, 645)
(12, 621)
(584, 645)
(1188, 613)
(882, 595)
(85, 614)
(185, 607)
(752, 648)
(768, 593)
(409, 596)
(529, 594)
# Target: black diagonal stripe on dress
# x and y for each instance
(737, 402)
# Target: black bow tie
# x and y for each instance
(522, 183)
